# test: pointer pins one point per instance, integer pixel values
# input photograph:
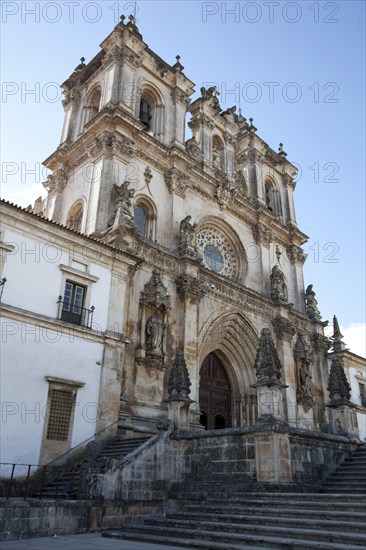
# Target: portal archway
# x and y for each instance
(214, 394)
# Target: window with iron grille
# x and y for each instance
(60, 413)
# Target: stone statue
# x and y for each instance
(154, 335)
(278, 286)
(123, 204)
(187, 231)
(216, 157)
(305, 380)
(311, 304)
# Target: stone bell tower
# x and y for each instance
(124, 92)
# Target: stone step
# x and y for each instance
(202, 538)
(312, 523)
(326, 514)
(242, 504)
(327, 535)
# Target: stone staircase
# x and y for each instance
(265, 520)
(67, 483)
(334, 519)
(350, 477)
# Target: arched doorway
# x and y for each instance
(214, 395)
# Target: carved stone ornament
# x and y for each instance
(155, 293)
(176, 181)
(193, 150)
(284, 328)
(190, 288)
(296, 254)
(179, 382)
(154, 329)
(57, 181)
(225, 193)
(278, 286)
(109, 144)
(338, 386)
(321, 343)
(267, 363)
(262, 234)
(311, 304)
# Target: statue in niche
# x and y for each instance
(187, 231)
(305, 379)
(278, 286)
(154, 335)
(216, 157)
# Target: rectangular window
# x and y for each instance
(72, 308)
(363, 394)
(60, 413)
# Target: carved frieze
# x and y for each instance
(225, 193)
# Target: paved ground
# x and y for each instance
(90, 541)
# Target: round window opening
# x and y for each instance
(214, 258)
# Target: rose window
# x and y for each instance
(217, 252)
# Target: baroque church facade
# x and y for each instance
(170, 276)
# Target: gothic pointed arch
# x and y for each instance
(234, 342)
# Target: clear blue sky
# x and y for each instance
(313, 53)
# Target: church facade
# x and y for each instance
(169, 281)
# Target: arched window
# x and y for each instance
(145, 218)
(141, 219)
(218, 154)
(75, 217)
(272, 197)
(151, 111)
(92, 105)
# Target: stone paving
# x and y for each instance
(90, 541)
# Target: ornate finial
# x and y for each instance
(132, 19)
(267, 364)
(122, 18)
(338, 345)
(239, 111)
(338, 386)
(82, 59)
(178, 66)
(251, 121)
(179, 381)
(281, 152)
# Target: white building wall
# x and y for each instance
(29, 353)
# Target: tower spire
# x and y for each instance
(338, 344)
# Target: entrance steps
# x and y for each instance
(67, 483)
(350, 477)
(262, 520)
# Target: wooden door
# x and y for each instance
(214, 395)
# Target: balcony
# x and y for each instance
(74, 314)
